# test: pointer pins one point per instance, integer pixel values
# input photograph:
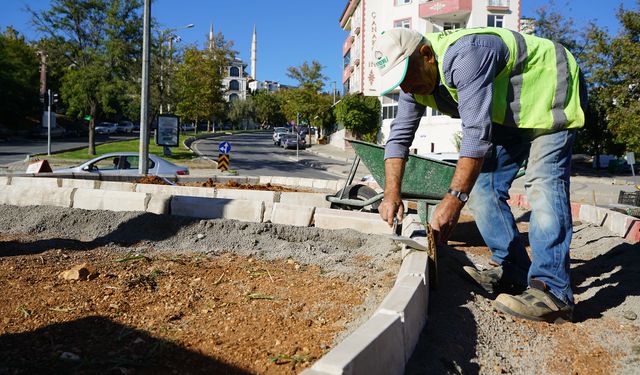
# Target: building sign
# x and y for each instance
(370, 72)
(167, 130)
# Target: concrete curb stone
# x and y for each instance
(117, 186)
(217, 208)
(111, 200)
(49, 182)
(81, 184)
(176, 190)
(251, 195)
(300, 216)
(376, 347)
(304, 199)
(364, 222)
(23, 195)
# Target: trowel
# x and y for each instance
(429, 247)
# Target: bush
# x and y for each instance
(361, 115)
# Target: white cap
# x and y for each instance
(392, 51)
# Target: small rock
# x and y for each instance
(69, 356)
(82, 271)
(139, 340)
(629, 315)
(200, 236)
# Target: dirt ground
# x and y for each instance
(180, 295)
(465, 335)
(204, 297)
(224, 185)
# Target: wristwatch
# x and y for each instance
(463, 197)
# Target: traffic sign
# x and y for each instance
(224, 147)
(223, 162)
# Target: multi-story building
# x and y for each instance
(271, 86)
(236, 81)
(364, 20)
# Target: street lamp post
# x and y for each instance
(143, 166)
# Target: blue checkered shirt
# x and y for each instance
(469, 65)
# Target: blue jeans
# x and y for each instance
(547, 188)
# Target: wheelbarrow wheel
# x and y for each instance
(357, 192)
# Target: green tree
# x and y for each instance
(100, 40)
(19, 78)
(267, 108)
(198, 81)
(241, 112)
(624, 89)
(360, 114)
(551, 24)
(309, 76)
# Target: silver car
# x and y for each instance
(126, 163)
(106, 128)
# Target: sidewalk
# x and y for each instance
(343, 158)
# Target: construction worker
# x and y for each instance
(519, 98)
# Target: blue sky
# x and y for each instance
(289, 32)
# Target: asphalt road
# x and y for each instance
(254, 154)
(17, 149)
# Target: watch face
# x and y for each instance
(463, 197)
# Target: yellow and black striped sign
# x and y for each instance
(223, 162)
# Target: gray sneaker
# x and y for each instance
(494, 281)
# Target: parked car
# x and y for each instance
(277, 133)
(188, 127)
(106, 128)
(126, 163)
(289, 141)
(125, 127)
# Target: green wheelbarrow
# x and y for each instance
(425, 181)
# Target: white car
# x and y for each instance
(106, 128)
(125, 127)
(277, 135)
(126, 163)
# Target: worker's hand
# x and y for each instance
(391, 207)
(445, 218)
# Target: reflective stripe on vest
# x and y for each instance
(525, 94)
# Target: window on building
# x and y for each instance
(234, 71)
(495, 20)
(346, 87)
(346, 60)
(406, 23)
(233, 97)
(402, 2)
(435, 112)
(390, 106)
(451, 26)
(234, 85)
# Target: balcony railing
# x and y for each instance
(443, 8)
(498, 5)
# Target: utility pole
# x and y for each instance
(334, 92)
(143, 166)
(49, 122)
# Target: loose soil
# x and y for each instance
(224, 185)
(465, 335)
(179, 295)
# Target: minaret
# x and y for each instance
(253, 53)
(211, 41)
